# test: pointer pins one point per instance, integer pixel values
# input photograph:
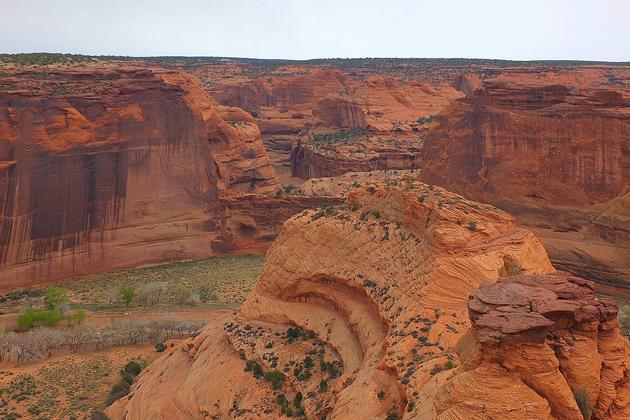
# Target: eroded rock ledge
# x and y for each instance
(552, 343)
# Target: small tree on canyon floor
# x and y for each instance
(127, 292)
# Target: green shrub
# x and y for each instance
(584, 403)
(257, 370)
(127, 377)
(472, 226)
(55, 298)
(25, 321)
(323, 385)
(76, 317)
(37, 317)
(117, 391)
(381, 395)
(275, 377)
(98, 415)
(206, 294)
(160, 347)
(134, 368)
(127, 292)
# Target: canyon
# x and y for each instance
(438, 235)
(553, 148)
(549, 144)
(96, 158)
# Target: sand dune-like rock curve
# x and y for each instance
(362, 311)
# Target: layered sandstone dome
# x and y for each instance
(362, 309)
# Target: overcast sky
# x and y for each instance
(299, 29)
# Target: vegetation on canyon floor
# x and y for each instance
(210, 283)
(62, 359)
(72, 386)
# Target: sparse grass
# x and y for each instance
(216, 282)
(584, 403)
(69, 387)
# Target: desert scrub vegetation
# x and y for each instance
(42, 59)
(584, 403)
(73, 386)
(215, 283)
(624, 316)
(340, 136)
(41, 343)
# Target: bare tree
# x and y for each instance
(5, 349)
(78, 338)
(158, 291)
(24, 347)
(47, 340)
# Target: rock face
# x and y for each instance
(287, 100)
(362, 311)
(108, 167)
(548, 341)
(358, 152)
(552, 148)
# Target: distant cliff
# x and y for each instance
(108, 167)
(552, 147)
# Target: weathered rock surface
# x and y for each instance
(358, 152)
(287, 100)
(550, 338)
(364, 310)
(551, 147)
(108, 167)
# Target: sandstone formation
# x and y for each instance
(362, 311)
(355, 151)
(113, 166)
(287, 100)
(550, 338)
(553, 148)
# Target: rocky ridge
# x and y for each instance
(362, 310)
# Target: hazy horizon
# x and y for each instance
(282, 29)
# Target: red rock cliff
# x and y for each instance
(552, 147)
(108, 167)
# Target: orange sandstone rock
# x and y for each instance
(115, 166)
(373, 292)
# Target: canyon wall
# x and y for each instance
(362, 311)
(553, 148)
(109, 167)
(288, 100)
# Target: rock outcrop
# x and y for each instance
(108, 167)
(545, 344)
(362, 311)
(551, 147)
(355, 151)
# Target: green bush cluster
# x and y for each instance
(584, 403)
(39, 317)
(275, 377)
(340, 135)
